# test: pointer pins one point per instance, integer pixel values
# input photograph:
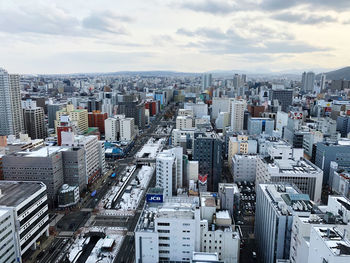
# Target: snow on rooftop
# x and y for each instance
(223, 214)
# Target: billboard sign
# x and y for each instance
(154, 198)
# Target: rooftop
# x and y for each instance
(14, 193)
(334, 240)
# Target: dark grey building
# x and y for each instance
(343, 125)
(134, 109)
(51, 113)
(285, 98)
(74, 167)
(327, 152)
(208, 151)
(34, 122)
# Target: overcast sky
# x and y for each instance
(67, 36)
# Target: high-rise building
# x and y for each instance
(166, 173)
(276, 204)
(127, 129)
(94, 157)
(24, 218)
(11, 115)
(236, 81)
(206, 81)
(323, 82)
(283, 96)
(237, 114)
(208, 152)
(300, 172)
(326, 152)
(244, 167)
(34, 121)
(308, 82)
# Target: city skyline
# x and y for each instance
(41, 37)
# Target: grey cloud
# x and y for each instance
(212, 40)
(303, 18)
(229, 6)
(210, 6)
(53, 21)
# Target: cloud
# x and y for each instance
(215, 41)
(55, 21)
(304, 18)
(225, 7)
(210, 6)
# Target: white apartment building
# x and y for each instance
(111, 129)
(237, 114)
(166, 172)
(244, 167)
(276, 204)
(127, 129)
(219, 105)
(221, 238)
(184, 122)
(25, 205)
(177, 151)
(168, 231)
(304, 174)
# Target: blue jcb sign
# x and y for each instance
(154, 198)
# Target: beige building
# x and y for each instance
(184, 122)
(77, 116)
(237, 108)
(240, 144)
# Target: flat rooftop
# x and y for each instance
(334, 240)
(14, 193)
(290, 166)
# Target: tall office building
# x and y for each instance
(34, 121)
(206, 81)
(236, 81)
(11, 116)
(276, 204)
(308, 81)
(237, 114)
(208, 153)
(284, 97)
(323, 82)
(43, 165)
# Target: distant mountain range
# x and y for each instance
(343, 73)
